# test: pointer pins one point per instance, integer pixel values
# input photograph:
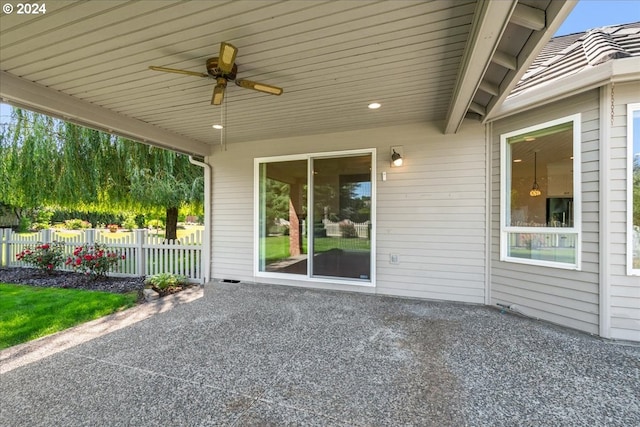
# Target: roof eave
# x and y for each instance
(617, 71)
(489, 24)
(23, 93)
(556, 13)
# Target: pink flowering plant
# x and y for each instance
(94, 260)
(45, 256)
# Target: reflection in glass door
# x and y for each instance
(341, 229)
(282, 214)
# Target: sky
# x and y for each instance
(586, 15)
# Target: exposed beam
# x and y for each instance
(23, 93)
(489, 88)
(489, 23)
(505, 60)
(529, 17)
(556, 13)
(477, 108)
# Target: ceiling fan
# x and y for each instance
(223, 68)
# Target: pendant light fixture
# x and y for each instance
(535, 188)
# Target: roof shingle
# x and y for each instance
(573, 53)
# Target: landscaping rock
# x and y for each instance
(150, 295)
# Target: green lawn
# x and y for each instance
(27, 312)
(277, 247)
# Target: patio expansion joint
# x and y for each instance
(158, 374)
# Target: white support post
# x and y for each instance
(5, 248)
(46, 236)
(90, 236)
(141, 238)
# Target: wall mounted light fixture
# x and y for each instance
(396, 156)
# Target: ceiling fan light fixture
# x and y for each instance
(218, 92)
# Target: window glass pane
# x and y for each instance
(282, 227)
(635, 232)
(342, 217)
(543, 246)
(541, 180)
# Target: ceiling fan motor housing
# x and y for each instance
(215, 72)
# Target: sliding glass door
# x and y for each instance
(341, 240)
(315, 216)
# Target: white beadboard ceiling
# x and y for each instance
(87, 61)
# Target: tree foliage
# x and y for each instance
(48, 162)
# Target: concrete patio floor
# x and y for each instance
(247, 355)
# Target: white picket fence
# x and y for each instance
(145, 254)
(333, 228)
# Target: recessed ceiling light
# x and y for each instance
(374, 106)
(529, 138)
(217, 126)
(517, 160)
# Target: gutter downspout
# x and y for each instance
(604, 312)
(206, 250)
(488, 144)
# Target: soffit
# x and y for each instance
(331, 57)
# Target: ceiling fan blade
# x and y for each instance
(218, 91)
(175, 70)
(260, 87)
(227, 57)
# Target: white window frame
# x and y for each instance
(256, 217)
(505, 189)
(630, 130)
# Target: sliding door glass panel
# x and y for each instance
(282, 220)
(341, 229)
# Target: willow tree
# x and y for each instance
(28, 145)
(162, 178)
(47, 162)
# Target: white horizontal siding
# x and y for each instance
(560, 296)
(624, 291)
(430, 212)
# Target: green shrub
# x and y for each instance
(76, 224)
(166, 280)
(130, 222)
(37, 226)
(45, 256)
(166, 283)
(24, 225)
(44, 216)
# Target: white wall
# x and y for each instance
(431, 212)
(624, 291)
(565, 297)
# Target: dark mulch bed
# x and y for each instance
(67, 279)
